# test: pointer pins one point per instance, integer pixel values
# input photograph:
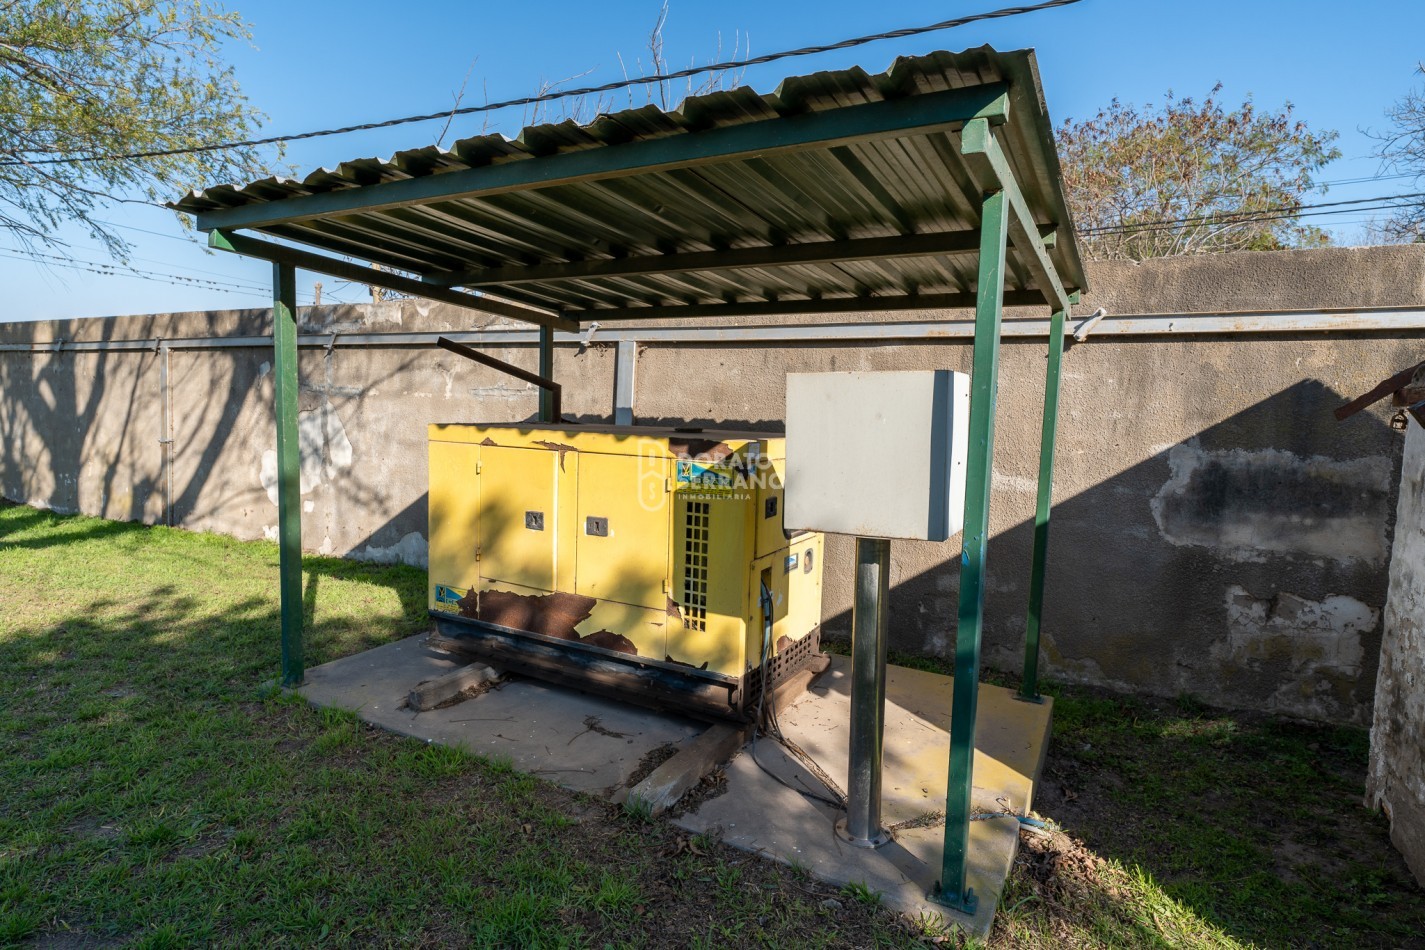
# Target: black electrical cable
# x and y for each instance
(553, 95)
(1236, 217)
(110, 270)
(840, 802)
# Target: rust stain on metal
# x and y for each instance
(555, 615)
(706, 450)
(782, 643)
(488, 441)
(559, 447)
(669, 659)
(1385, 388)
(552, 615)
(673, 610)
(609, 641)
(1412, 392)
(469, 604)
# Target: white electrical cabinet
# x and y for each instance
(877, 455)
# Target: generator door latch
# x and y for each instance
(769, 508)
(534, 520)
(597, 527)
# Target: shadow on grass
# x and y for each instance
(31, 519)
(1192, 825)
(154, 793)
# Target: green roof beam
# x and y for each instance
(919, 114)
(984, 154)
(765, 308)
(819, 252)
(359, 273)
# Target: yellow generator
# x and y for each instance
(643, 563)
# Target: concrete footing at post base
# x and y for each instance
(597, 746)
(761, 814)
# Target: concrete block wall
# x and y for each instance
(1216, 532)
(1396, 783)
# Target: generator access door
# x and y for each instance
(519, 516)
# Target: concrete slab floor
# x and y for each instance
(589, 744)
(759, 813)
(581, 742)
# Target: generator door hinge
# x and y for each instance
(477, 552)
(667, 485)
(666, 585)
(478, 466)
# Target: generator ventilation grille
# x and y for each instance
(695, 566)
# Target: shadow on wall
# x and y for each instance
(48, 414)
(82, 430)
(1166, 577)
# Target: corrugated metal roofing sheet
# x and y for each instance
(910, 183)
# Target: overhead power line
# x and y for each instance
(1377, 203)
(121, 270)
(1366, 178)
(233, 289)
(553, 95)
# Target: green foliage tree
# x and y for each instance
(84, 86)
(1184, 177)
(1403, 151)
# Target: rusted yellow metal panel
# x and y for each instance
(621, 551)
(454, 523)
(770, 499)
(519, 516)
(712, 520)
(643, 541)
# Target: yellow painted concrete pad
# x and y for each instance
(1010, 741)
(760, 814)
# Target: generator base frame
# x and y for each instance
(626, 677)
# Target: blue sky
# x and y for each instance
(314, 65)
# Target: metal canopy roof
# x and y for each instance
(935, 184)
(840, 191)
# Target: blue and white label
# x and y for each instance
(447, 595)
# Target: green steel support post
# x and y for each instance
(1029, 685)
(546, 369)
(289, 464)
(953, 890)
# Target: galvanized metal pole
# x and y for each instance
(546, 369)
(1029, 684)
(625, 365)
(289, 465)
(954, 889)
(862, 824)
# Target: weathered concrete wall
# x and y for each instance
(1215, 530)
(1396, 782)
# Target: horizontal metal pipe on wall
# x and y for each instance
(1128, 325)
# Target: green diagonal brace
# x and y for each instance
(359, 273)
(289, 465)
(983, 153)
(954, 890)
(1029, 685)
(546, 369)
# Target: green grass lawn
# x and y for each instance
(153, 792)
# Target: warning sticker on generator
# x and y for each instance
(703, 477)
(447, 598)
